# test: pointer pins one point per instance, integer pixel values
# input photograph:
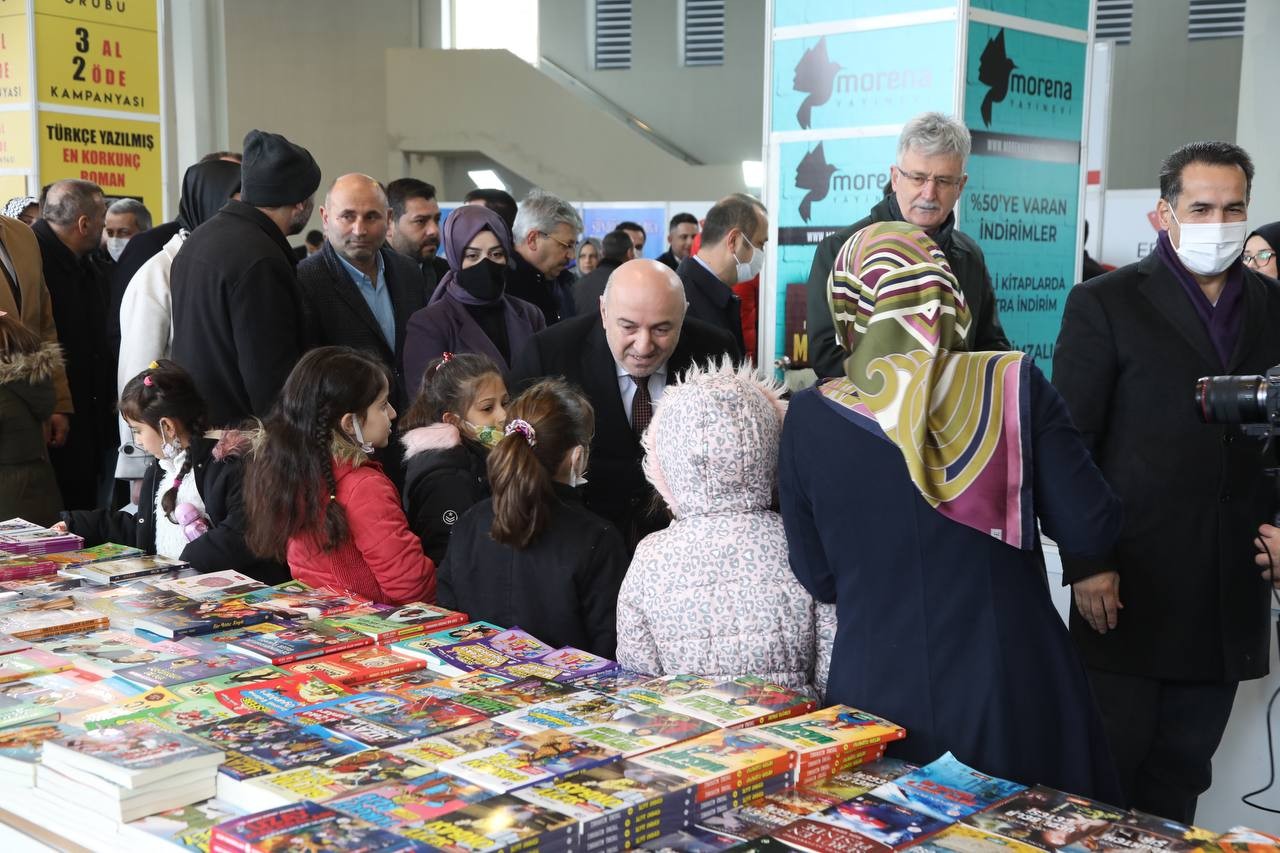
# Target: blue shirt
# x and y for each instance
(379, 298)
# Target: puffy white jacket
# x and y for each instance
(713, 594)
(146, 332)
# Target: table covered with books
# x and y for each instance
(146, 707)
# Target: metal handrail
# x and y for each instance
(578, 87)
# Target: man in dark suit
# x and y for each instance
(680, 233)
(732, 251)
(414, 231)
(545, 237)
(615, 250)
(357, 291)
(623, 359)
(924, 187)
(1177, 615)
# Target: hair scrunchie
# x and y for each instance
(524, 428)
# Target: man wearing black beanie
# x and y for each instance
(238, 325)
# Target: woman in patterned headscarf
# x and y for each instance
(919, 523)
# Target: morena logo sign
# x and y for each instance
(999, 73)
(817, 75)
(820, 178)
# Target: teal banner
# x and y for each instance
(1022, 83)
(1067, 14)
(862, 79)
(792, 13)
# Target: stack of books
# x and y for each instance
(128, 772)
(19, 536)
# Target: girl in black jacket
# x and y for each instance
(458, 415)
(533, 555)
(192, 477)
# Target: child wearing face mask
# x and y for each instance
(457, 417)
(317, 499)
(190, 506)
(532, 555)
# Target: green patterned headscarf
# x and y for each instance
(957, 417)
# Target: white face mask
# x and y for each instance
(751, 268)
(115, 247)
(366, 446)
(1208, 248)
(578, 469)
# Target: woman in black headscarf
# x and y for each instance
(1261, 247)
(146, 315)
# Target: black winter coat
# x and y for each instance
(578, 350)
(219, 479)
(1126, 362)
(442, 481)
(563, 588)
(967, 263)
(238, 326)
(552, 296)
(711, 300)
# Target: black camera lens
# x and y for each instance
(1232, 399)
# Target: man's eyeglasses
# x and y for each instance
(942, 182)
(1259, 258)
(568, 247)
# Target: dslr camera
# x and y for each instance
(1253, 402)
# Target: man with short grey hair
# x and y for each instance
(126, 218)
(546, 239)
(924, 186)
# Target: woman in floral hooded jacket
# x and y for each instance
(713, 594)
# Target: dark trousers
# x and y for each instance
(1163, 735)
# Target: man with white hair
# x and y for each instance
(623, 358)
(924, 186)
(545, 235)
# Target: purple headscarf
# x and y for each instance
(460, 228)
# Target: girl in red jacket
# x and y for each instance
(315, 497)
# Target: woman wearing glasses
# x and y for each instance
(471, 310)
(1260, 249)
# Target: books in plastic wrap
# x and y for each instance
(257, 744)
(190, 616)
(741, 702)
(531, 758)
(1045, 818)
(387, 623)
(946, 789)
(209, 585)
(303, 826)
(281, 695)
(357, 666)
(191, 668)
(123, 569)
(575, 710)
(300, 641)
(322, 782)
(398, 804)
(132, 755)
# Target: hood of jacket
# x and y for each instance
(712, 446)
(33, 367)
(438, 436)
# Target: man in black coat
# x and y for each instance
(1177, 615)
(616, 249)
(414, 229)
(357, 291)
(238, 326)
(546, 240)
(73, 217)
(623, 359)
(924, 186)
(732, 251)
(680, 233)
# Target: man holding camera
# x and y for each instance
(1177, 615)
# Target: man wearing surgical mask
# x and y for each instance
(732, 252)
(125, 218)
(1176, 616)
(924, 185)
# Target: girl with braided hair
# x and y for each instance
(317, 499)
(191, 505)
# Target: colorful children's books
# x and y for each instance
(20, 749)
(186, 826)
(303, 826)
(847, 784)
(657, 691)
(427, 797)
(125, 606)
(300, 641)
(575, 710)
(946, 789)
(257, 744)
(762, 816)
(865, 823)
(422, 683)
(71, 691)
(467, 633)
(1241, 839)
(742, 701)
(22, 537)
(209, 585)
(127, 568)
(498, 823)
(184, 669)
(107, 652)
(189, 713)
(38, 586)
(387, 623)
(296, 600)
(132, 755)
(576, 664)
(531, 758)
(189, 616)
(832, 739)
(382, 719)
(333, 778)
(721, 761)
(1138, 832)
(644, 730)
(141, 706)
(32, 662)
(1045, 818)
(17, 712)
(432, 751)
(281, 695)
(612, 681)
(526, 691)
(52, 616)
(960, 838)
(14, 567)
(357, 666)
(211, 686)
